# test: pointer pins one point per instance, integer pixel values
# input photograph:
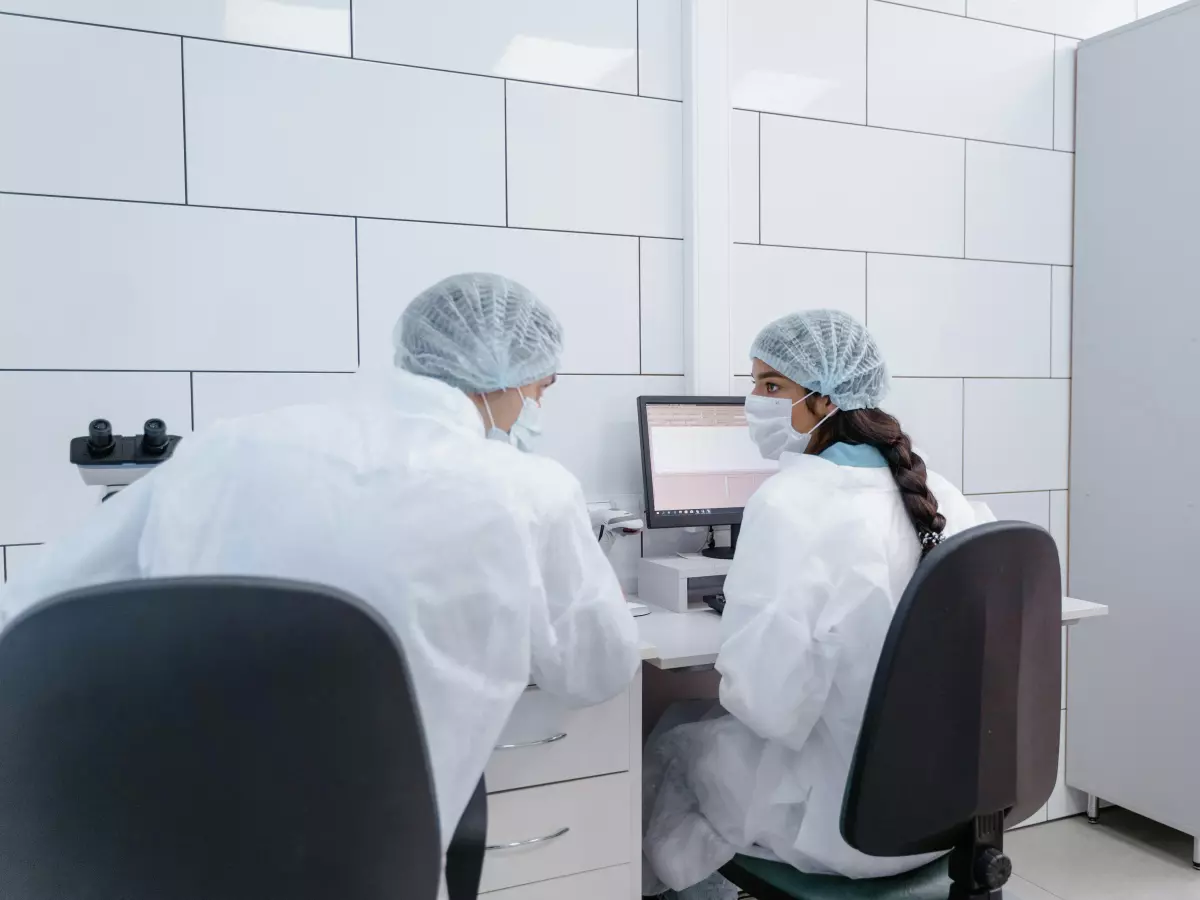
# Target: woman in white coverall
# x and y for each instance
(827, 547)
(480, 556)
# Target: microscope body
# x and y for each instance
(113, 461)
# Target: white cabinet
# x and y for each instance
(606, 884)
(545, 742)
(557, 829)
(564, 804)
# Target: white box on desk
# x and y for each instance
(664, 581)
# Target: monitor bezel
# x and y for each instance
(658, 520)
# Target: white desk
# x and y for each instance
(683, 640)
(565, 808)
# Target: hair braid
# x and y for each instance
(877, 429)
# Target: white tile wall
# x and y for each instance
(834, 186)
(227, 395)
(769, 282)
(660, 48)
(930, 411)
(91, 112)
(954, 317)
(1064, 93)
(1075, 18)
(1015, 435)
(590, 429)
(592, 45)
(91, 284)
(954, 7)
(339, 136)
(743, 176)
(43, 495)
(804, 58)
(662, 306)
(1031, 507)
(1059, 523)
(631, 150)
(1019, 204)
(322, 26)
(1150, 7)
(1060, 349)
(248, 283)
(590, 281)
(20, 558)
(1004, 84)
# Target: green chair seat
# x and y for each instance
(767, 880)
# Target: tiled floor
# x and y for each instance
(1123, 858)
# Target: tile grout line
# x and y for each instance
(1052, 321)
(1054, 95)
(966, 153)
(867, 290)
(357, 302)
(1004, 262)
(326, 215)
(963, 439)
(970, 18)
(192, 397)
(867, 63)
(351, 24)
(892, 128)
(341, 56)
(345, 372)
(506, 153)
(637, 47)
(183, 115)
(641, 347)
(760, 196)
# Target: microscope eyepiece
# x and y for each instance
(100, 438)
(154, 438)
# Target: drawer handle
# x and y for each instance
(553, 739)
(530, 842)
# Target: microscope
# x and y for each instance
(114, 461)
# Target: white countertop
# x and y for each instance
(681, 640)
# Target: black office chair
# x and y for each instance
(209, 738)
(960, 735)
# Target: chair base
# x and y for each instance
(765, 880)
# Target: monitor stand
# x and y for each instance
(725, 552)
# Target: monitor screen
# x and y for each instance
(700, 463)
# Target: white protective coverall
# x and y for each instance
(825, 554)
(481, 558)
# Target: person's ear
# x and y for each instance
(823, 407)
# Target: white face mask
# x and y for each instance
(525, 430)
(770, 421)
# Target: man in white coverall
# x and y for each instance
(412, 493)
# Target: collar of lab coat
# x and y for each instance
(417, 395)
(815, 466)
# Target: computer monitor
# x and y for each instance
(699, 466)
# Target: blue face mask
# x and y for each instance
(525, 430)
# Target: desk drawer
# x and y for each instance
(607, 884)
(547, 742)
(558, 829)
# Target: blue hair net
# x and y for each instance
(479, 333)
(829, 352)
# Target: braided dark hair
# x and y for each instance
(877, 429)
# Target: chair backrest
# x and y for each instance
(211, 737)
(962, 722)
